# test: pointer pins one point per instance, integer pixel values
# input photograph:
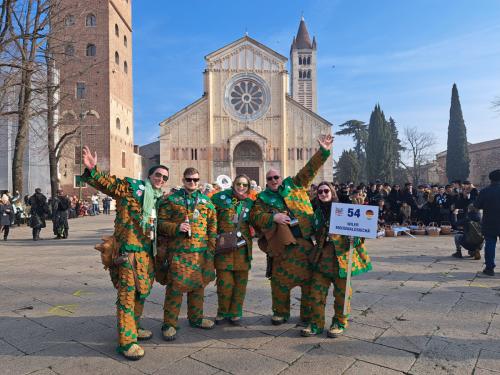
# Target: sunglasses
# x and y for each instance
(191, 179)
(270, 178)
(241, 184)
(164, 177)
(324, 191)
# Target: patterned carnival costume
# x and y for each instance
(233, 267)
(291, 267)
(330, 267)
(190, 258)
(134, 277)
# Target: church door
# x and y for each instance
(247, 159)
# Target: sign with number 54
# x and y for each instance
(354, 220)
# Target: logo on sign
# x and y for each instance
(339, 211)
(369, 214)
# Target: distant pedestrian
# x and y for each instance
(39, 209)
(489, 201)
(106, 205)
(95, 203)
(60, 207)
(6, 215)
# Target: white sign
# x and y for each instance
(354, 220)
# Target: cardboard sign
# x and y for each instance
(354, 220)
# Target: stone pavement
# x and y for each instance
(419, 311)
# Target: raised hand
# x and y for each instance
(325, 141)
(89, 160)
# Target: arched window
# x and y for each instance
(117, 58)
(300, 73)
(308, 74)
(125, 67)
(309, 60)
(125, 40)
(90, 21)
(117, 31)
(69, 20)
(91, 50)
(127, 130)
(118, 125)
(69, 50)
(300, 60)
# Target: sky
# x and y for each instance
(404, 55)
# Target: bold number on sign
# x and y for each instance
(351, 212)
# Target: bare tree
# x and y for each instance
(418, 146)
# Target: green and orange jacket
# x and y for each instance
(228, 206)
(129, 195)
(292, 194)
(337, 249)
(191, 259)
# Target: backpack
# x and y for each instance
(473, 235)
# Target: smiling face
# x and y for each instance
(191, 181)
(159, 178)
(324, 193)
(273, 179)
(241, 185)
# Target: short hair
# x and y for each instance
(38, 190)
(190, 171)
(495, 175)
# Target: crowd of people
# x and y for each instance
(36, 209)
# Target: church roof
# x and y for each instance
(246, 38)
(303, 40)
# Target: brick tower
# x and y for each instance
(94, 39)
(303, 68)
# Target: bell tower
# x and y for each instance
(303, 67)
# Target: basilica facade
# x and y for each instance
(252, 116)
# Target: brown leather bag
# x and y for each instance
(226, 242)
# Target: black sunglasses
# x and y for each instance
(163, 176)
(191, 179)
(324, 191)
(241, 184)
(270, 178)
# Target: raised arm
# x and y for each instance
(110, 185)
(306, 175)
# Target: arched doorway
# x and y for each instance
(247, 159)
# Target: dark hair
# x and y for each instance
(190, 171)
(242, 176)
(332, 189)
(155, 167)
(495, 175)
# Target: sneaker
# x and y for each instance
(169, 334)
(134, 353)
(308, 332)
(144, 334)
(277, 320)
(236, 321)
(335, 331)
(219, 319)
(204, 324)
(458, 254)
(489, 272)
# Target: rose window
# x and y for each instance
(247, 96)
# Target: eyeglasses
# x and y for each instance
(241, 184)
(270, 178)
(191, 179)
(324, 191)
(164, 177)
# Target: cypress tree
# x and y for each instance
(396, 148)
(347, 168)
(378, 148)
(457, 154)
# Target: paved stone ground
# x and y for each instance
(419, 311)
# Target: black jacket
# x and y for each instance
(489, 201)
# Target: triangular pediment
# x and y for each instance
(248, 133)
(246, 53)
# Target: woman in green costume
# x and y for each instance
(233, 215)
(329, 262)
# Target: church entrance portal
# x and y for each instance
(247, 159)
